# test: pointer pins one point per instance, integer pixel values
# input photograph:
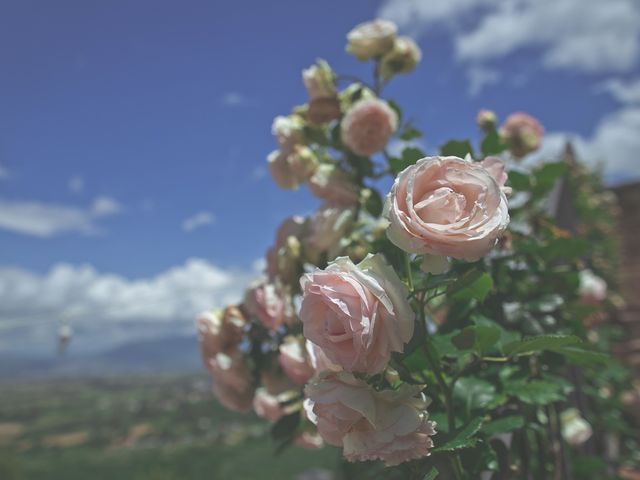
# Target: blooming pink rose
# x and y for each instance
(294, 360)
(270, 303)
(446, 206)
(357, 314)
(389, 425)
(371, 39)
(266, 405)
(233, 381)
(334, 186)
(368, 126)
(220, 331)
(523, 133)
(327, 227)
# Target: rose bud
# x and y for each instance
(402, 58)
(270, 303)
(371, 39)
(357, 314)
(523, 134)
(575, 429)
(448, 207)
(319, 80)
(292, 168)
(220, 331)
(486, 120)
(368, 126)
(324, 110)
(388, 425)
(233, 381)
(593, 289)
(334, 186)
(289, 131)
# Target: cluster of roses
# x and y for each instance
(313, 342)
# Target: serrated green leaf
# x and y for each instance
(463, 438)
(581, 356)
(457, 148)
(503, 425)
(535, 392)
(540, 342)
(473, 284)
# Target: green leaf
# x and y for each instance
(285, 427)
(473, 392)
(410, 155)
(540, 342)
(492, 144)
(546, 176)
(520, 182)
(397, 109)
(457, 148)
(503, 425)
(535, 392)
(443, 343)
(581, 356)
(410, 133)
(473, 284)
(373, 203)
(463, 438)
(432, 475)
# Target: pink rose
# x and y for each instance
(371, 39)
(523, 133)
(233, 381)
(267, 406)
(327, 227)
(334, 186)
(368, 126)
(388, 425)
(319, 360)
(446, 206)
(357, 314)
(220, 331)
(270, 303)
(294, 360)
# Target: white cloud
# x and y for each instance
(234, 99)
(198, 220)
(76, 184)
(481, 77)
(585, 35)
(623, 92)
(47, 220)
(105, 308)
(613, 145)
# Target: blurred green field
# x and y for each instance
(139, 428)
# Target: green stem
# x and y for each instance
(407, 264)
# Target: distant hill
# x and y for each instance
(176, 354)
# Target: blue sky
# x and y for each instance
(134, 134)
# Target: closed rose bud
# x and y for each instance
(402, 58)
(220, 331)
(368, 126)
(448, 207)
(486, 120)
(334, 186)
(324, 110)
(388, 425)
(357, 314)
(523, 134)
(289, 169)
(270, 303)
(294, 360)
(319, 80)
(371, 39)
(288, 131)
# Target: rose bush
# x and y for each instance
(430, 326)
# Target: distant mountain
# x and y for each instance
(176, 354)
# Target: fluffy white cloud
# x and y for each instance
(623, 92)
(198, 220)
(46, 220)
(481, 77)
(585, 35)
(105, 308)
